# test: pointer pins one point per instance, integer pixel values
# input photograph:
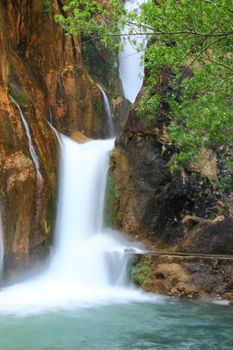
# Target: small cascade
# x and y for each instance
(35, 159)
(130, 60)
(53, 128)
(31, 147)
(50, 115)
(108, 112)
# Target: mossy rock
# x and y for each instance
(142, 270)
(20, 95)
(112, 196)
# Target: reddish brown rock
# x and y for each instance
(42, 70)
(79, 137)
(184, 275)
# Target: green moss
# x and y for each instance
(113, 188)
(98, 59)
(225, 182)
(42, 251)
(47, 8)
(21, 96)
(112, 197)
(99, 108)
(111, 63)
(142, 271)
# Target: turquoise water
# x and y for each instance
(169, 324)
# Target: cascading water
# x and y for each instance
(30, 145)
(88, 264)
(130, 60)
(80, 244)
(108, 112)
(88, 269)
(52, 127)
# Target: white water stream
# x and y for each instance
(130, 59)
(108, 112)
(53, 128)
(81, 246)
(30, 146)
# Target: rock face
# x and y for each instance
(43, 83)
(102, 63)
(184, 276)
(53, 65)
(150, 203)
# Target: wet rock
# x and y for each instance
(79, 137)
(184, 276)
(211, 237)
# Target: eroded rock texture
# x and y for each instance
(42, 70)
(184, 276)
(182, 211)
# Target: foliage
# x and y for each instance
(97, 55)
(19, 94)
(113, 189)
(91, 19)
(112, 196)
(142, 271)
(99, 108)
(225, 182)
(194, 41)
(47, 8)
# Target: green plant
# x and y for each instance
(19, 94)
(225, 182)
(99, 108)
(47, 8)
(192, 42)
(92, 19)
(142, 271)
(112, 196)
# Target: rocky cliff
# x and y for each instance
(182, 210)
(43, 85)
(182, 215)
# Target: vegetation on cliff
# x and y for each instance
(192, 43)
(93, 19)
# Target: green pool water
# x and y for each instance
(169, 324)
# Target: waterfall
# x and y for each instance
(30, 146)
(81, 246)
(88, 263)
(130, 60)
(108, 112)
